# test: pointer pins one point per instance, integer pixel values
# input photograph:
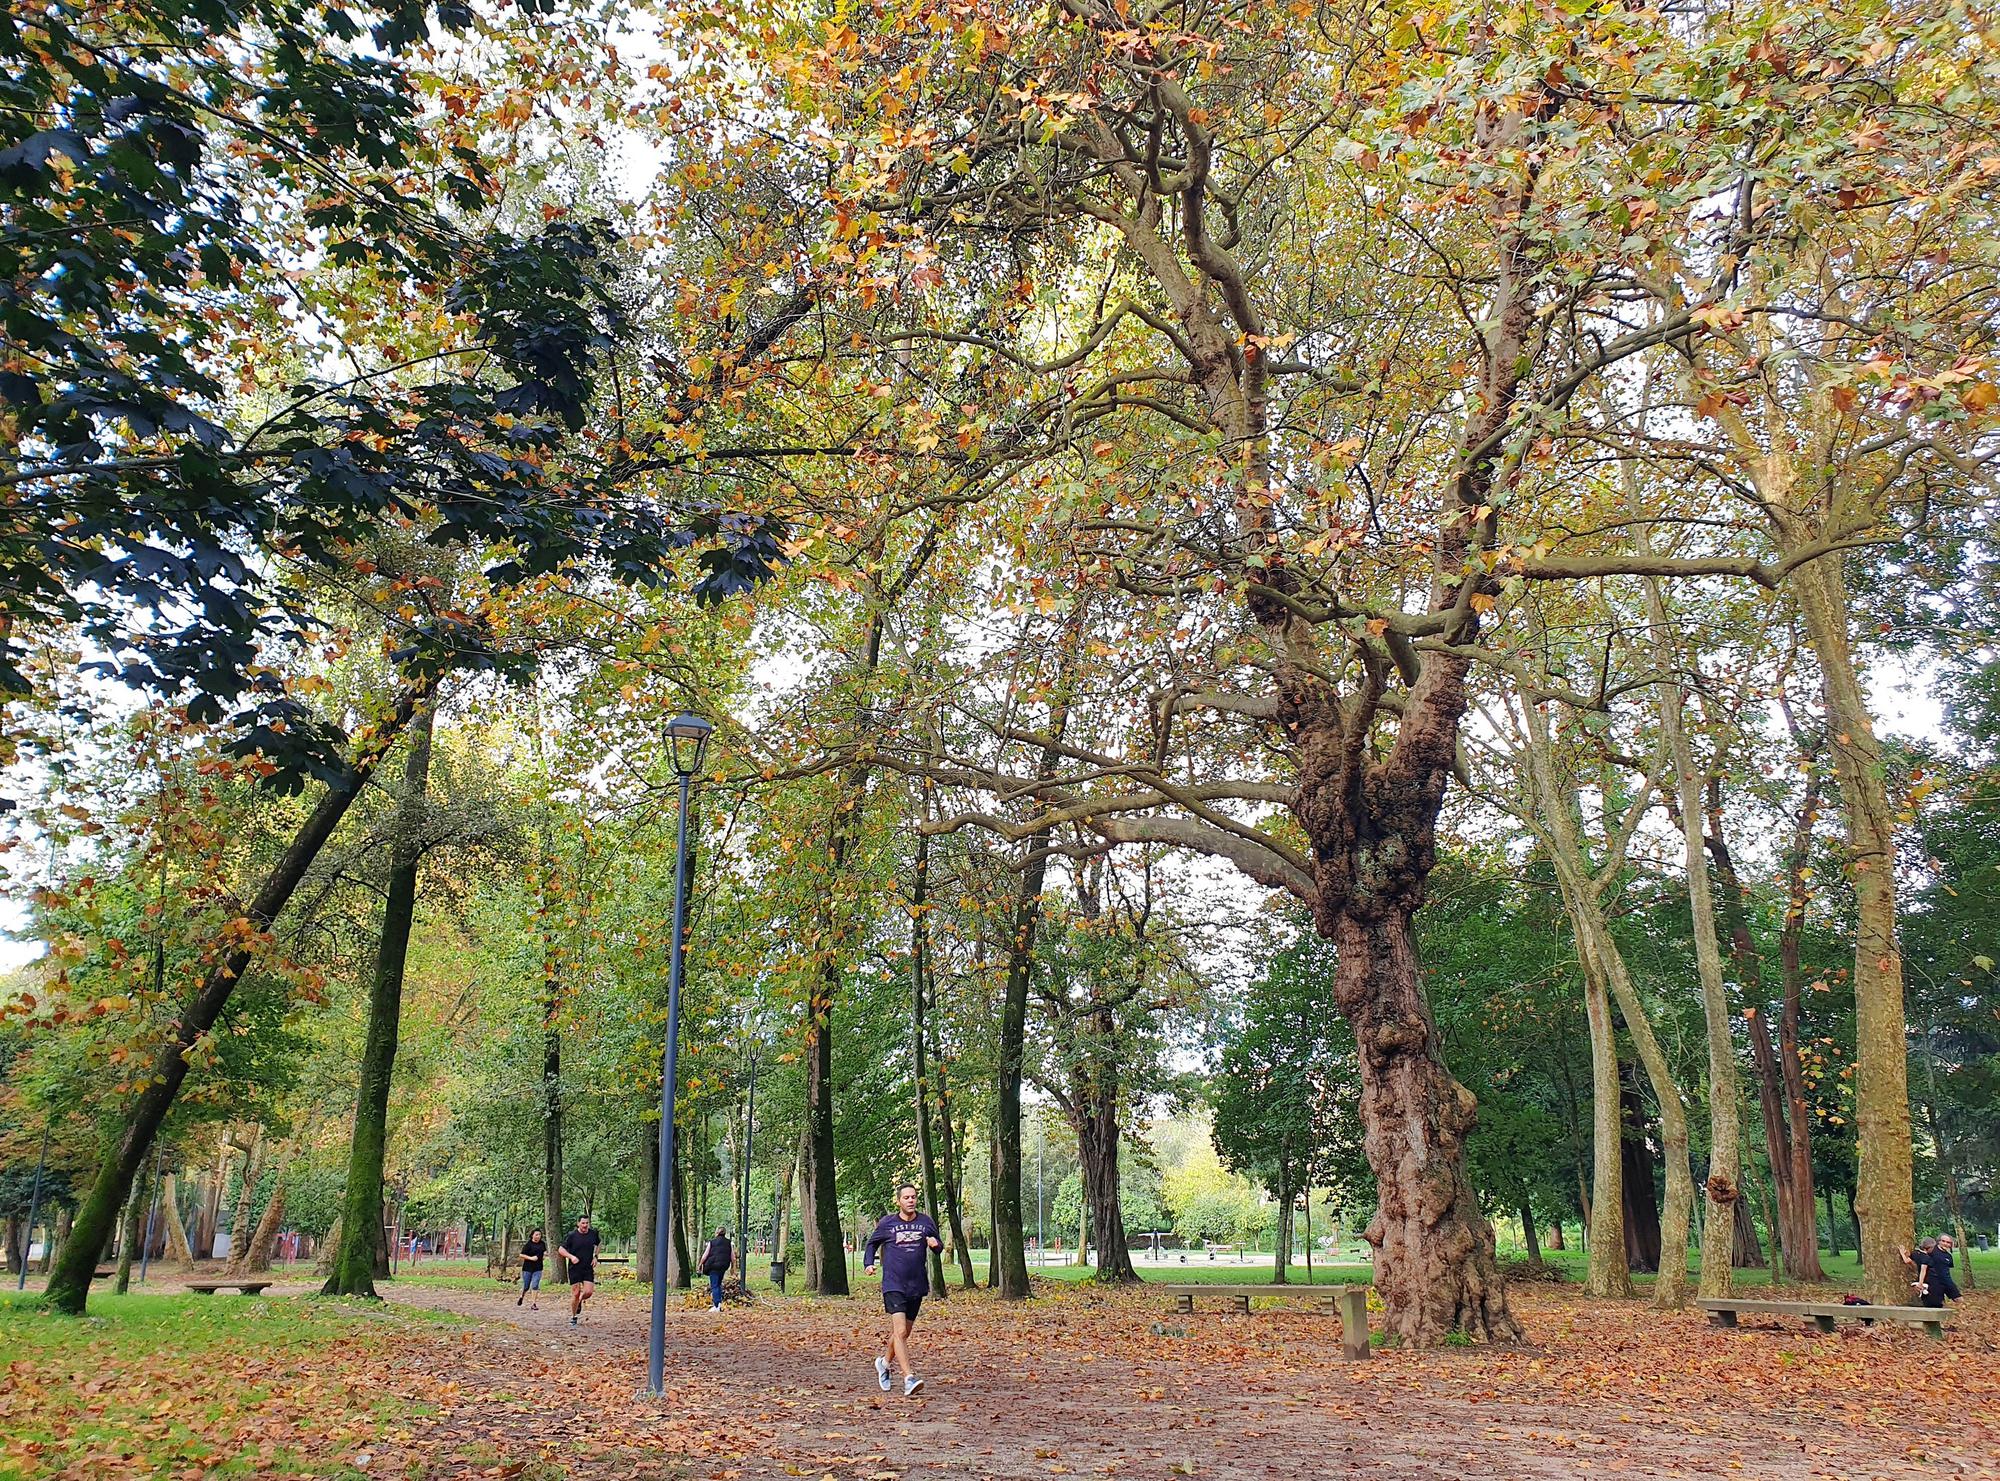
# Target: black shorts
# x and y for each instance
(580, 1275)
(903, 1302)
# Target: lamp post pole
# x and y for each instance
(695, 732)
(34, 1208)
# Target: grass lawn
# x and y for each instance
(186, 1384)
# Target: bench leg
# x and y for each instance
(1824, 1323)
(1354, 1323)
(1934, 1329)
(1184, 1304)
(1723, 1318)
(200, 1292)
(1242, 1304)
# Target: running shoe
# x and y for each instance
(882, 1374)
(911, 1385)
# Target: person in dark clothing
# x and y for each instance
(1933, 1266)
(579, 1249)
(531, 1269)
(715, 1263)
(905, 1239)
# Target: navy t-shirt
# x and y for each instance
(905, 1253)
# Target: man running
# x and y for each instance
(579, 1248)
(904, 1238)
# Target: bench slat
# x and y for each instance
(1826, 1308)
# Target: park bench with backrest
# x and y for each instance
(1350, 1301)
(247, 1287)
(1723, 1311)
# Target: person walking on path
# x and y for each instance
(579, 1248)
(715, 1264)
(1933, 1266)
(531, 1269)
(904, 1238)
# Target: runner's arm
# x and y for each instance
(875, 1240)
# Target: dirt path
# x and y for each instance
(1078, 1384)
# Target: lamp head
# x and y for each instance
(688, 735)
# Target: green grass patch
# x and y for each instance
(216, 1385)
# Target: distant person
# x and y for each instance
(1932, 1262)
(715, 1263)
(531, 1269)
(905, 1238)
(579, 1249)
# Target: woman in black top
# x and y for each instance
(715, 1264)
(531, 1269)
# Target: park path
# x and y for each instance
(1085, 1385)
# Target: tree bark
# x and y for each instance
(1744, 1253)
(1528, 1236)
(69, 1286)
(809, 1230)
(1884, 1182)
(354, 1265)
(680, 1269)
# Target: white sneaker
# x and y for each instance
(882, 1373)
(911, 1385)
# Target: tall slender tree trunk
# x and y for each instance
(1281, 1252)
(680, 1269)
(354, 1266)
(949, 1164)
(1608, 1272)
(920, 937)
(1534, 1245)
(69, 1286)
(1009, 1272)
(170, 1214)
(649, 1188)
(128, 1240)
(1884, 1183)
(1722, 1189)
(809, 1230)
(554, 1272)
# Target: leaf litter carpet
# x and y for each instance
(1085, 1384)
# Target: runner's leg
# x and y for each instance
(899, 1341)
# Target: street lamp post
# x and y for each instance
(687, 737)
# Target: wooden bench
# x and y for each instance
(1350, 1301)
(1723, 1312)
(247, 1287)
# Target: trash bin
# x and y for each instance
(778, 1274)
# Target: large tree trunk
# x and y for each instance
(354, 1265)
(1434, 1259)
(1098, 1139)
(1670, 1290)
(1745, 1253)
(809, 1230)
(1884, 1187)
(69, 1287)
(821, 1195)
(1534, 1245)
(1281, 1253)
